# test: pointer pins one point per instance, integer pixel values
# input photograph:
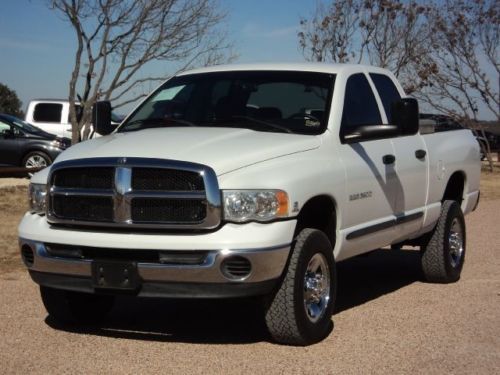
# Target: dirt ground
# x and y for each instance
(490, 183)
(387, 321)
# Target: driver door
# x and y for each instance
(372, 183)
(9, 145)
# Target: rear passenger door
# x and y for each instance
(371, 180)
(410, 165)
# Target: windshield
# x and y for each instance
(23, 124)
(292, 102)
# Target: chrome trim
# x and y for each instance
(54, 190)
(267, 264)
(123, 193)
(168, 195)
(122, 200)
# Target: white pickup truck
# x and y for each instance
(52, 116)
(249, 180)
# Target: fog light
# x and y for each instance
(236, 267)
(28, 255)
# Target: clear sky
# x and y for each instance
(37, 47)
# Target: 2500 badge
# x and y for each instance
(363, 195)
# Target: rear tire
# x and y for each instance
(443, 256)
(75, 307)
(300, 311)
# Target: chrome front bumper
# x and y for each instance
(167, 280)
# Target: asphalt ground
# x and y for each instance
(387, 321)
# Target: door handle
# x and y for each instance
(389, 159)
(420, 154)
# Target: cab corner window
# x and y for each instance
(360, 106)
(47, 112)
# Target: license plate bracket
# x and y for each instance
(115, 275)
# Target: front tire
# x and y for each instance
(36, 159)
(443, 256)
(300, 311)
(75, 307)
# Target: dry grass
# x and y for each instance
(490, 183)
(13, 204)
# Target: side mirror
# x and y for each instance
(405, 115)
(370, 133)
(101, 118)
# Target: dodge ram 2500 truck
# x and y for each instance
(249, 180)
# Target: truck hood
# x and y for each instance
(223, 149)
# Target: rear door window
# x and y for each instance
(48, 112)
(387, 91)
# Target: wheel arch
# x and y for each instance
(455, 187)
(319, 212)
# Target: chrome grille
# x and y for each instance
(134, 192)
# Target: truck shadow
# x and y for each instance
(367, 277)
(241, 321)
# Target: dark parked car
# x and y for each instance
(25, 145)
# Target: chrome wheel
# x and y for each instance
(456, 243)
(36, 161)
(316, 287)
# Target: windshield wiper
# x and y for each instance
(149, 123)
(262, 122)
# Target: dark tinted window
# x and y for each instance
(387, 91)
(47, 112)
(360, 106)
(296, 102)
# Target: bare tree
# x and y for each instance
(331, 33)
(387, 33)
(443, 53)
(116, 39)
(466, 40)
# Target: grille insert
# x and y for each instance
(85, 178)
(166, 179)
(168, 210)
(83, 208)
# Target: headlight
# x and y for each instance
(59, 143)
(254, 205)
(37, 195)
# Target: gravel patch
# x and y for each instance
(388, 321)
